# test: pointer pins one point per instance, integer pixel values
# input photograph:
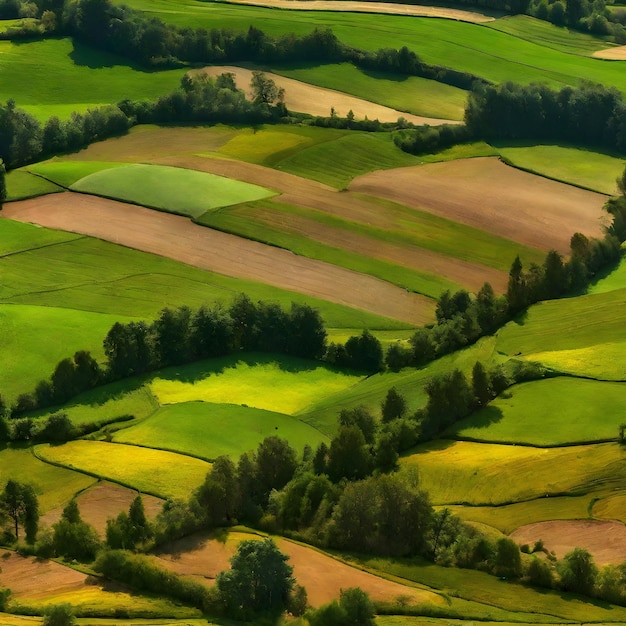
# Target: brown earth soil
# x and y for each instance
(314, 100)
(371, 7)
(103, 501)
(34, 578)
(489, 195)
(178, 238)
(203, 557)
(611, 54)
(605, 540)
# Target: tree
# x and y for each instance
(74, 538)
(508, 560)
(3, 184)
(349, 455)
(276, 462)
(362, 419)
(516, 294)
(577, 571)
(265, 90)
(358, 607)
(59, 615)
(19, 502)
(258, 581)
(481, 387)
(140, 529)
(394, 406)
(365, 352)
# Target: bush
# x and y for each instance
(59, 615)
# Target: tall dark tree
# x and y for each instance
(516, 291)
(481, 386)
(394, 406)
(19, 502)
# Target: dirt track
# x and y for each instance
(489, 195)
(605, 540)
(178, 238)
(371, 7)
(306, 98)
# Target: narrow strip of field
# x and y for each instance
(177, 238)
(305, 98)
(611, 54)
(388, 8)
(203, 557)
(491, 196)
(605, 540)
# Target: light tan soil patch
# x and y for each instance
(470, 275)
(605, 540)
(306, 98)
(322, 576)
(103, 501)
(489, 195)
(611, 54)
(178, 238)
(35, 579)
(371, 7)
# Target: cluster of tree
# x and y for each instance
(23, 139)
(20, 507)
(429, 139)
(353, 607)
(590, 114)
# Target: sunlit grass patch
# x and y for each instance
(66, 173)
(156, 472)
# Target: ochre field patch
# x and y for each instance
(605, 540)
(180, 239)
(489, 195)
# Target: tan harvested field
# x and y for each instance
(617, 53)
(103, 501)
(178, 238)
(371, 7)
(605, 540)
(306, 98)
(489, 195)
(204, 558)
(36, 579)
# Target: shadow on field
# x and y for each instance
(97, 59)
(482, 419)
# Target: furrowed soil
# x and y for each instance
(489, 195)
(204, 557)
(371, 7)
(306, 98)
(605, 540)
(178, 238)
(103, 501)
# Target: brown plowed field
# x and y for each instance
(605, 540)
(321, 575)
(306, 98)
(103, 501)
(611, 54)
(489, 195)
(178, 238)
(371, 7)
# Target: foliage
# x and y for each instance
(353, 608)
(59, 615)
(578, 572)
(73, 538)
(19, 502)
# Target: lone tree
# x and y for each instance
(258, 581)
(265, 90)
(19, 502)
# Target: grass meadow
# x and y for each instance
(210, 430)
(155, 472)
(66, 173)
(492, 474)
(172, 189)
(552, 412)
(22, 184)
(412, 94)
(280, 384)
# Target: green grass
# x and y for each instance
(270, 382)
(210, 430)
(20, 237)
(159, 473)
(56, 77)
(491, 474)
(550, 412)
(54, 486)
(613, 281)
(66, 173)
(412, 94)
(174, 189)
(569, 164)
(22, 184)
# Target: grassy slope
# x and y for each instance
(66, 173)
(550, 412)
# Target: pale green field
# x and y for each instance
(261, 381)
(159, 473)
(66, 173)
(489, 474)
(22, 184)
(550, 412)
(172, 189)
(210, 430)
(569, 164)
(54, 486)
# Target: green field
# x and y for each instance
(269, 382)
(210, 430)
(492, 474)
(22, 184)
(172, 189)
(412, 94)
(550, 412)
(159, 473)
(66, 173)
(54, 486)
(569, 164)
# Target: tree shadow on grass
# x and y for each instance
(481, 419)
(85, 56)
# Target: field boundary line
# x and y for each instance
(43, 246)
